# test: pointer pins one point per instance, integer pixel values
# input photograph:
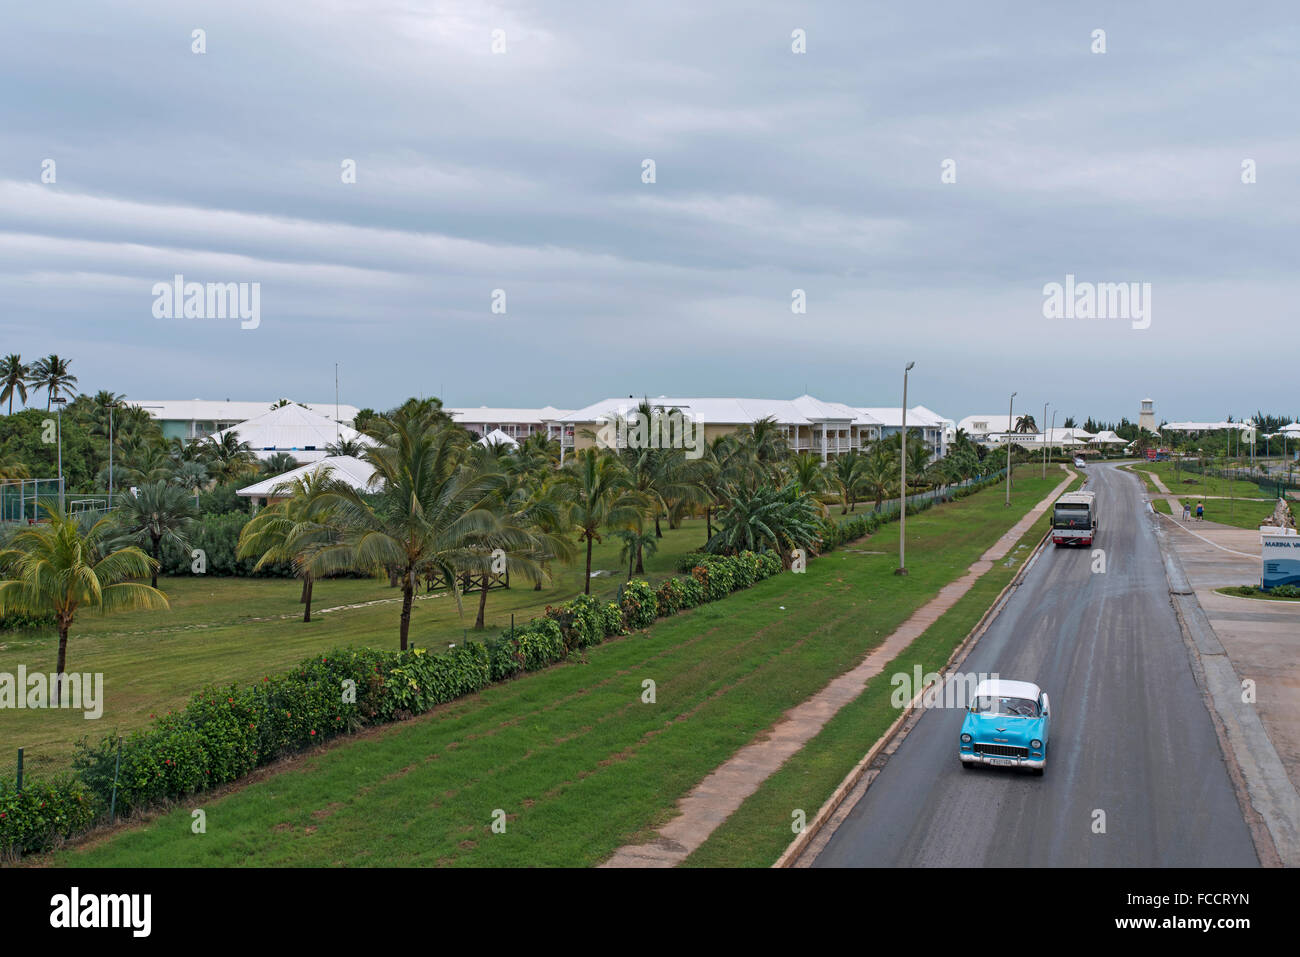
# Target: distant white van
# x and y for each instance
(1079, 462)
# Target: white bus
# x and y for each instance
(1074, 519)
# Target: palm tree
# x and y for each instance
(193, 477)
(57, 568)
(429, 514)
(144, 463)
(157, 511)
(293, 529)
(600, 495)
(227, 458)
(343, 446)
(880, 473)
(766, 448)
(14, 376)
(277, 464)
(1025, 425)
(780, 519)
(846, 473)
(52, 375)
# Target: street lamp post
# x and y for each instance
(902, 484)
(1046, 437)
(59, 401)
(1010, 428)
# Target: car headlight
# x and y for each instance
(1036, 744)
(965, 739)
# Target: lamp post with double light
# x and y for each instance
(902, 483)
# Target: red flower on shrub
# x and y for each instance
(231, 700)
(313, 732)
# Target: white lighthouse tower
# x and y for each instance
(1147, 417)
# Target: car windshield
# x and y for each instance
(1004, 704)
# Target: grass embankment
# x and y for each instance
(1234, 512)
(760, 830)
(1180, 481)
(578, 763)
(1253, 591)
(223, 630)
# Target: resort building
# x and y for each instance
(295, 430)
(808, 424)
(189, 419)
(517, 424)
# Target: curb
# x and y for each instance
(805, 837)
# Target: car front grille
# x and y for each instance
(1002, 750)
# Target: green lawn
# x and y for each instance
(220, 630)
(1238, 513)
(1183, 482)
(574, 758)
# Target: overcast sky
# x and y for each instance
(774, 171)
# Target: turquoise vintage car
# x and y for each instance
(1006, 726)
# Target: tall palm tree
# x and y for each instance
(52, 375)
(293, 529)
(765, 445)
(14, 376)
(428, 515)
(846, 473)
(600, 495)
(156, 512)
(58, 567)
(880, 472)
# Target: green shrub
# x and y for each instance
(640, 607)
(43, 812)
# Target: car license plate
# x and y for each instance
(1002, 762)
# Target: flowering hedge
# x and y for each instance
(43, 812)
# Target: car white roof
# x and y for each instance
(1002, 688)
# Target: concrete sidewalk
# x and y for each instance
(716, 797)
(1260, 640)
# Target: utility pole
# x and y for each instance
(1010, 430)
(902, 484)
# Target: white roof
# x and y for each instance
(726, 411)
(1294, 427)
(354, 471)
(497, 437)
(984, 424)
(918, 416)
(223, 410)
(1000, 687)
(490, 415)
(293, 429)
(1107, 437)
(1206, 426)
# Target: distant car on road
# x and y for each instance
(1079, 462)
(1006, 726)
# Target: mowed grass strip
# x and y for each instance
(224, 630)
(571, 756)
(761, 828)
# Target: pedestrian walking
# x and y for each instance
(1187, 511)
(1200, 511)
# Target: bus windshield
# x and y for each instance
(1071, 516)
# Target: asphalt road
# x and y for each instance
(1130, 735)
